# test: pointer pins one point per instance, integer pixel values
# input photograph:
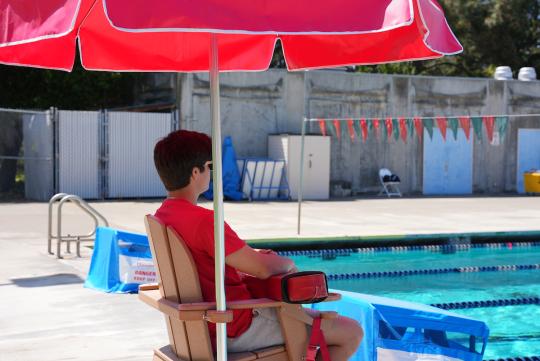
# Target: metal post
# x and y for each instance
(50, 236)
(219, 234)
(301, 181)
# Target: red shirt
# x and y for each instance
(196, 227)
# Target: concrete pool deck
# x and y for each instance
(46, 314)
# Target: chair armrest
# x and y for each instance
(197, 311)
(185, 312)
(148, 286)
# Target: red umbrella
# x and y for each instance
(187, 35)
(173, 35)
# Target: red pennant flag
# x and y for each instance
(350, 125)
(419, 126)
(322, 126)
(363, 126)
(403, 129)
(489, 122)
(465, 123)
(441, 123)
(377, 126)
(388, 123)
(337, 126)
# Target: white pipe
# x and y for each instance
(219, 233)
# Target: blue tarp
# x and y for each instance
(120, 261)
(231, 175)
(408, 327)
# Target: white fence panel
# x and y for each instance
(78, 153)
(132, 137)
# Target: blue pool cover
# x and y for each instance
(405, 331)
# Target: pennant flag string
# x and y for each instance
(403, 127)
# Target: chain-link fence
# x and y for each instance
(26, 154)
(93, 154)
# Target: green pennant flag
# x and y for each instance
(356, 125)
(330, 128)
(395, 128)
(428, 125)
(453, 124)
(502, 126)
(477, 126)
(410, 127)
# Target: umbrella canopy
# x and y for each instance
(187, 35)
(173, 35)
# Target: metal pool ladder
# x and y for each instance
(78, 201)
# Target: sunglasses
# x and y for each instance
(210, 165)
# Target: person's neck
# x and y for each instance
(186, 194)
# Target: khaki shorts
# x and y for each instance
(264, 331)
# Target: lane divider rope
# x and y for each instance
(489, 303)
(474, 269)
(523, 358)
(431, 248)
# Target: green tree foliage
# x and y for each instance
(80, 89)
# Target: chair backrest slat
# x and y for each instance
(162, 257)
(187, 280)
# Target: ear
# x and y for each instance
(195, 172)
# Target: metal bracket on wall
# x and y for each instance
(62, 198)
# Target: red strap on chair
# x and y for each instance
(316, 342)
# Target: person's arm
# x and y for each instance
(259, 264)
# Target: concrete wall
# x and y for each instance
(254, 105)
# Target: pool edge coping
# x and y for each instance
(291, 243)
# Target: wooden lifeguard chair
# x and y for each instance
(178, 295)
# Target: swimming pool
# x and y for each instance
(496, 283)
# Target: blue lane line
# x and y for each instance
(502, 268)
(489, 303)
(398, 249)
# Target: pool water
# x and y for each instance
(514, 330)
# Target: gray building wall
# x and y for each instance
(254, 105)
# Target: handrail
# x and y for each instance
(78, 201)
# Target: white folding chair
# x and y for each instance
(391, 188)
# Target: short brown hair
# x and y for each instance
(178, 153)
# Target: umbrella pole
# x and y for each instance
(219, 234)
(301, 180)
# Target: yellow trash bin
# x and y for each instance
(531, 181)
